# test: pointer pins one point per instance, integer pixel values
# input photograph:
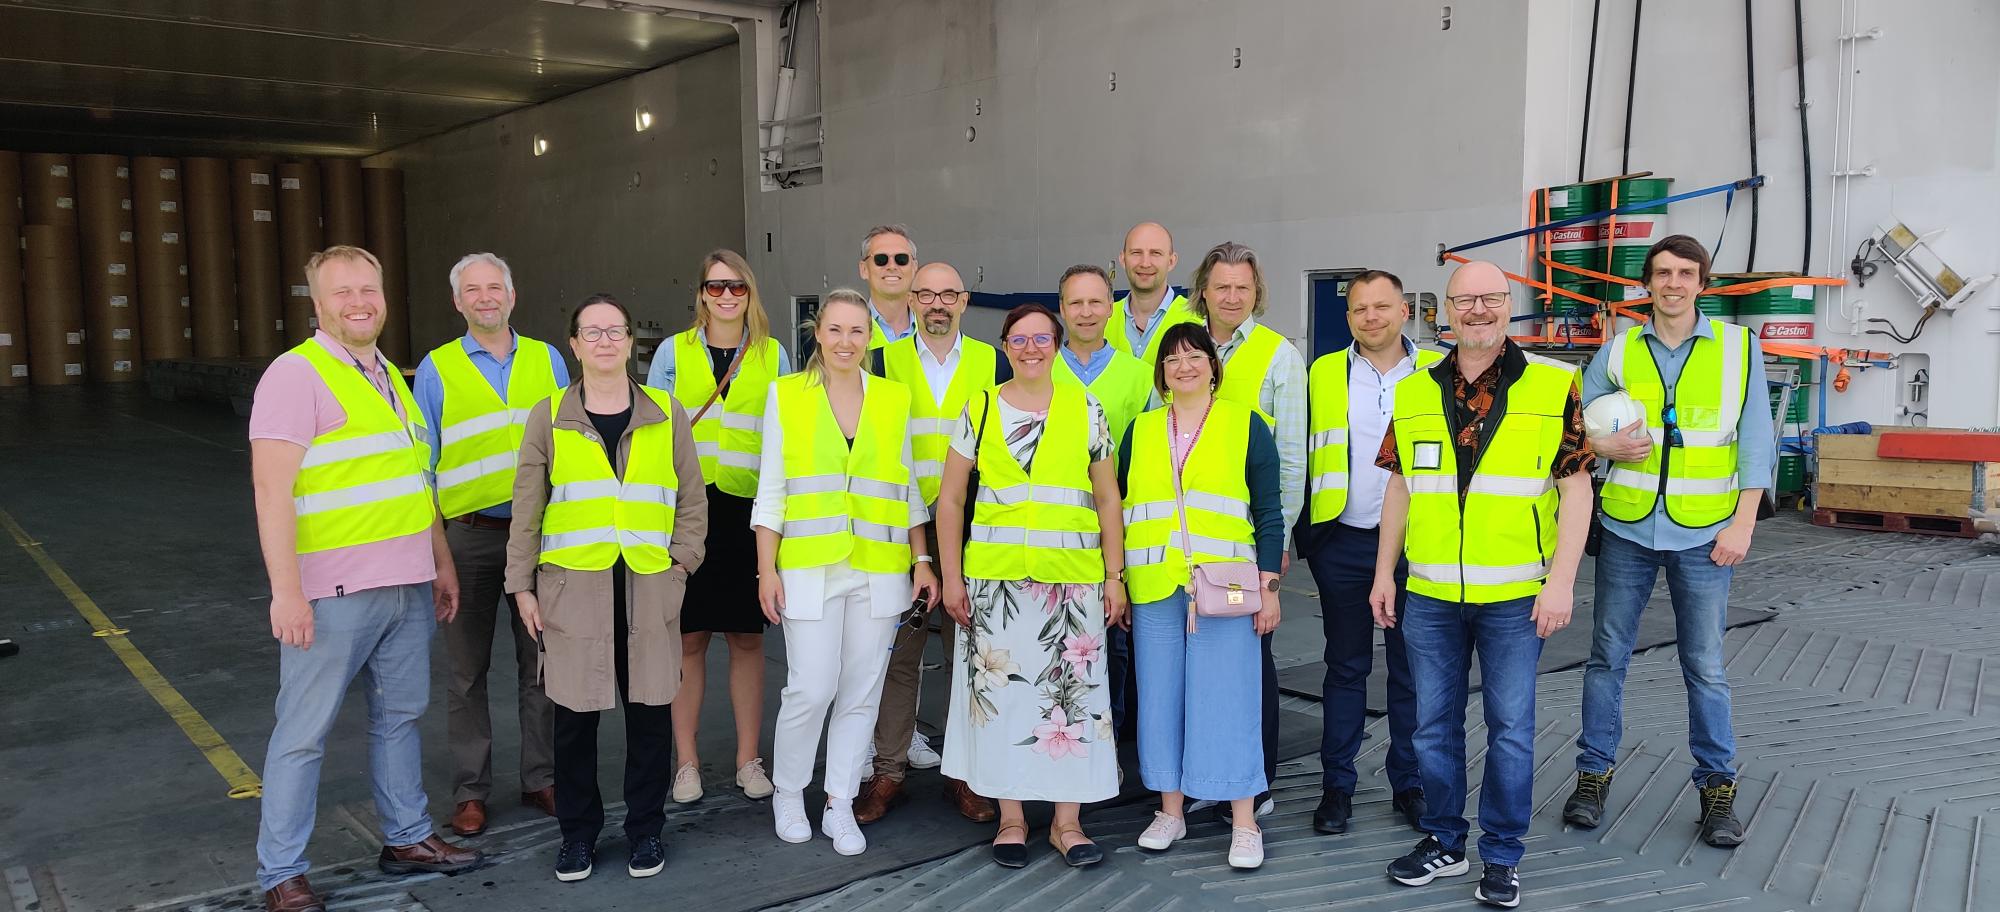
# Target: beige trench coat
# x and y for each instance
(576, 659)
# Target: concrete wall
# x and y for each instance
(606, 209)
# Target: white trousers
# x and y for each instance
(836, 662)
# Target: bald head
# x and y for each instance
(1148, 258)
(939, 297)
(1476, 277)
(1481, 305)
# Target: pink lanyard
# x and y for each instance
(1174, 433)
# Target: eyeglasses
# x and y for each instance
(1491, 299)
(902, 259)
(718, 287)
(1186, 360)
(594, 333)
(947, 297)
(1041, 340)
(1671, 418)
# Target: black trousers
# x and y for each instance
(649, 745)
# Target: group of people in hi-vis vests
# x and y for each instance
(1102, 501)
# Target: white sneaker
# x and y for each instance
(1246, 848)
(789, 810)
(838, 825)
(752, 781)
(1163, 832)
(921, 755)
(687, 784)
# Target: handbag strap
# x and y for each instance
(1180, 499)
(727, 375)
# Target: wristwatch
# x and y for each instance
(1271, 584)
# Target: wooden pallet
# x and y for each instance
(1876, 521)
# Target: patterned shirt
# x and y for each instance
(1473, 400)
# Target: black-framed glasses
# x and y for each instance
(718, 287)
(1491, 299)
(1041, 340)
(1671, 418)
(947, 297)
(594, 333)
(902, 259)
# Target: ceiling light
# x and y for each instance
(642, 120)
(541, 145)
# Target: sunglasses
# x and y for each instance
(718, 287)
(902, 259)
(1672, 431)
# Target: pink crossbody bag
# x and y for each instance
(1215, 588)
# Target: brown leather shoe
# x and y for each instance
(970, 805)
(543, 799)
(294, 895)
(469, 819)
(432, 856)
(878, 796)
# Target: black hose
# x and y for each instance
(1631, 82)
(1750, 74)
(1805, 138)
(1589, 80)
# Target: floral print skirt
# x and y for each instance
(1030, 703)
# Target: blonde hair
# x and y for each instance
(756, 323)
(1233, 254)
(815, 368)
(338, 252)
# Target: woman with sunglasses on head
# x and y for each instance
(720, 370)
(1035, 588)
(840, 549)
(1201, 489)
(610, 516)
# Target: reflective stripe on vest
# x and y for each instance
(362, 482)
(844, 503)
(1494, 542)
(1215, 491)
(480, 434)
(1244, 372)
(1699, 481)
(594, 517)
(932, 421)
(1121, 388)
(729, 437)
(1170, 313)
(1327, 462)
(1039, 524)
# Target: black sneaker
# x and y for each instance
(1330, 817)
(1410, 804)
(648, 857)
(1585, 807)
(1499, 887)
(1719, 826)
(573, 861)
(1427, 862)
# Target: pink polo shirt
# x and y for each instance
(294, 405)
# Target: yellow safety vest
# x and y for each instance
(1041, 523)
(1243, 374)
(730, 436)
(1494, 541)
(1172, 312)
(1697, 479)
(480, 434)
(841, 502)
(1213, 486)
(931, 421)
(1327, 462)
(593, 517)
(362, 482)
(1122, 388)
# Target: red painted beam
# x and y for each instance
(1940, 446)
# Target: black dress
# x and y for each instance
(722, 595)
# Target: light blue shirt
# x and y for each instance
(890, 332)
(664, 370)
(1756, 441)
(1088, 371)
(430, 391)
(1140, 338)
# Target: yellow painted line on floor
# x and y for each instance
(243, 783)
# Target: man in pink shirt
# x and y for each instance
(360, 575)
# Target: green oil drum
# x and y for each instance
(1781, 314)
(1791, 474)
(1580, 245)
(1635, 232)
(1721, 307)
(1801, 407)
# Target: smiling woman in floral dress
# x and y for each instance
(1035, 588)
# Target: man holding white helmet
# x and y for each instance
(1683, 492)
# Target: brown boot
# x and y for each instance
(971, 806)
(878, 796)
(293, 895)
(432, 856)
(541, 799)
(469, 819)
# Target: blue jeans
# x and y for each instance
(1441, 638)
(1700, 589)
(1343, 565)
(385, 635)
(1200, 702)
